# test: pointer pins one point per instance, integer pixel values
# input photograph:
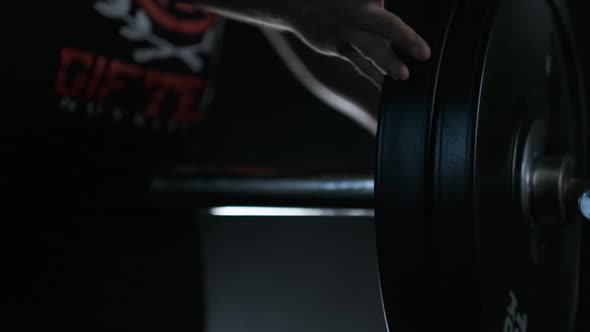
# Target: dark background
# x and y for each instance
(262, 115)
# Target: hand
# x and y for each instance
(362, 32)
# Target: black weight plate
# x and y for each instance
(453, 246)
(403, 173)
(529, 74)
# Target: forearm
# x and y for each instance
(260, 12)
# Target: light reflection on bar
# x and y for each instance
(264, 211)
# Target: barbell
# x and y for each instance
(498, 132)
(480, 187)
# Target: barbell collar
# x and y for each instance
(556, 195)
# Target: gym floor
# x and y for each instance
(290, 274)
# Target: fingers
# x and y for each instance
(368, 36)
(380, 53)
(381, 22)
(363, 65)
